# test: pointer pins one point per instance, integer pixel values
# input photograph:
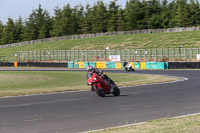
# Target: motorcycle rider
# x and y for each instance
(104, 76)
(125, 63)
(92, 70)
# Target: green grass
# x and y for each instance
(189, 124)
(25, 83)
(37, 82)
(154, 40)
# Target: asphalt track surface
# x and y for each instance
(82, 111)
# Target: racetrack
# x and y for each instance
(72, 112)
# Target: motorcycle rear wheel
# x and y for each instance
(132, 69)
(100, 92)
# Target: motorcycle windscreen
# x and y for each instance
(89, 75)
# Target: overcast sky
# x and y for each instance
(15, 8)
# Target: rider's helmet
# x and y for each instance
(90, 68)
(125, 63)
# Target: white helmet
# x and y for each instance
(90, 68)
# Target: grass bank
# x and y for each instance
(190, 39)
(189, 124)
(13, 83)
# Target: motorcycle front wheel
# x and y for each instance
(116, 90)
(99, 91)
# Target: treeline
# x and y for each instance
(137, 14)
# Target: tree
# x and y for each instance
(1, 33)
(121, 20)
(155, 22)
(18, 36)
(165, 14)
(57, 29)
(180, 17)
(38, 25)
(134, 15)
(68, 20)
(77, 17)
(113, 16)
(172, 9)
(194, 13)
(9, 32)
(153, 18)
(86, 21)
(99, 21)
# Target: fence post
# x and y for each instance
(128, 54)
(185, 55)
(105, 55)
(36, 55)
(100, 54)
(23, 55)
(19, 56)
(168, 53)
(40, 55)
(32, 56)
(61, 55)
(65, 55)
(87, 55)
(78, 54)
(150, 53)
(28, 55)
(52, 54)
(56, 55)
(68, 54)
(124, 54)
(156, 54)
(132, 54)
(49, 52)
(44, 54)
(95, 54)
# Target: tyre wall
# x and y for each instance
(184, 65)
(42, 64)
(110, 65)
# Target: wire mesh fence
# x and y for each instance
(3, 58)
(99, 55)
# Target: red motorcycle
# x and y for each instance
(101, 86)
